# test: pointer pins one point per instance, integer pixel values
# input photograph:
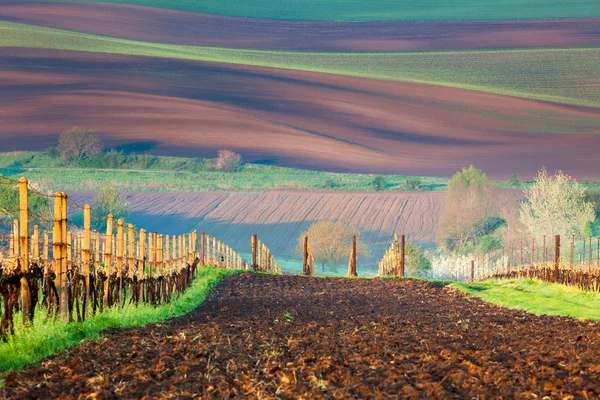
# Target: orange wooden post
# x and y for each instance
(35, 243)
(352, 263)
(254, 243)
(24, 217)
(159, 254)
(402, 255)
(45, 251)
(556, 256)
(108, 245)
(202, 248)
(119, 246)
(86, 253)
(65, 253)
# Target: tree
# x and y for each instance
(78, 143)
(379, 183)
(40, 207)
(514, 180)
(471, 200)
(416, 263)
(228, 161)
(556, 205)
(413, 183)
(330, 243)
(108, 201)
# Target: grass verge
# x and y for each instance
(44, 339)
(556, 75)
(537, 297)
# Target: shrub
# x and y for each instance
(514, 180)
(228, 161)
(379, 183)
(413, 183)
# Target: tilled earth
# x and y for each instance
(264, 336)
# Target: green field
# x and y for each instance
(561, 75)
(537, 297)
(177, 174)
(380, 10)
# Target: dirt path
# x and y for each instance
(286, 336)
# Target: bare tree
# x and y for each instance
(330, 243)
(556, 205)
(77, 143)
(228, 161)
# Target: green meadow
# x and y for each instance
(562, 75)
(379, 10)
(537, 297)
(178, 174)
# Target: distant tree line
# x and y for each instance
(80, 147)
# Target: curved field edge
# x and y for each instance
(560, 75)
(377, 10)
(31, 345)
(537, 297)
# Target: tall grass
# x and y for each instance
(560, 75)
(45, 338)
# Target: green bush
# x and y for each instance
(379, 183)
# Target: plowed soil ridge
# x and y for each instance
(264, 336)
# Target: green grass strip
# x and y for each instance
(44, 339)
(379, 10)
(561, 75)
(537, 297)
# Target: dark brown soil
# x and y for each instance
(288, 337)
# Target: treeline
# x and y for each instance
(82, 148)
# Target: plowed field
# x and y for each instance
(280, 217)
(288, 118)
(169, 26)
(285, 337)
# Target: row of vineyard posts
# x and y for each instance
(392, 263)
(577, 265)
(91, 271)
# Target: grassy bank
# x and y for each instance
(556, 75)
(537, 297)
(379, 10)
(177, 174)
(44, 339)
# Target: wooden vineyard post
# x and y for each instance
(24, 244)
(590, 255)
(556, 256)
(130, 250)
(472, 270)
(86, 255)
(202, 251)
(69, 251)
(57, 245)
(174, 264)
(159, 254)
(352, 262)
(108, 255)
(396, 255)
(64, 253)
(35, 243)
(45, 251)
(254, 250)
(305, 266)
(119, 246)
(142, 254)
(402, 255)
(151, 254)
(167, 255)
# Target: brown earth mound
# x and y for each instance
(167, 26)
(263, 336)
(289, 118)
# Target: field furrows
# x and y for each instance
(262, 336)
(279, 217)
(292, 118)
